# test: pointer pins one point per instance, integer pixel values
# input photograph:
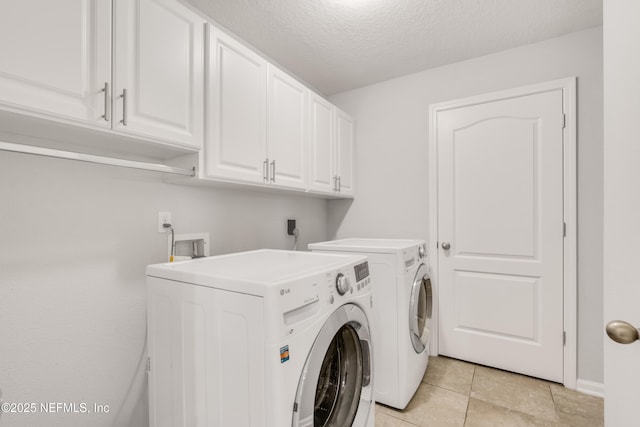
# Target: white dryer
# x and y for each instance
(261, 339)
(402, 312)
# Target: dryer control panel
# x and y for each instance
(414, 255)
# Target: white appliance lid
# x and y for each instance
(261, 267)
(366, 245)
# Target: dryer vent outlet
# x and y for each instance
(291, 225)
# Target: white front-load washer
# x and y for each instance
(402, 312)
(264, 338)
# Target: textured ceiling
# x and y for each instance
(338, 45)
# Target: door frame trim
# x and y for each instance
(570, 291)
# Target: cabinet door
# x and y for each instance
(236, 122)
(344, 153)
(55, 58)
(286, 130)
(321, 140)
(159, 62)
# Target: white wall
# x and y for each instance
(74, 242)
(391, 156)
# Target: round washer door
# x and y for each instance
(335, 388)
(420, 306)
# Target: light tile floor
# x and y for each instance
(456, 393)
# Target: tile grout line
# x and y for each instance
(553, 399)
(466, 412)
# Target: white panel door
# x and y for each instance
(287, 105)
(344, 152)
(321, 145)
(500, 233)
(622, 207)
(55, 58)
(159, 62)
(236, 123)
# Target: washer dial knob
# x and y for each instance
(422, 251)
(342, 284)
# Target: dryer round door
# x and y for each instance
(420, 307)
(335, 388)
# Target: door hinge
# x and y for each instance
(564, 120)
(564, 337)
(148, 365)
(564, 229)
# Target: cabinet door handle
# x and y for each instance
(105, 89)
(265, 170)
(124, 107)
(273, 171)
(335, 183)
(339, 184)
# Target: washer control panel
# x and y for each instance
(350, 281)
(362, 271)
(362, 275)
(301, 299)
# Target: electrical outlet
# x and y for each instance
(163, 218)
(291, 225)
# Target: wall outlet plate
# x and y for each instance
(163, 218)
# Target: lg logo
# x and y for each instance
(284, 291)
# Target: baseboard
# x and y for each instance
(590, 387)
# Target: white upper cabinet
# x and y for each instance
(158, 79)
(286, 130)
(344, 153)
(321, 145)
(135, 76)
(331, 148)
(257, 119)
(56, 63)
(55, 58)
(236, 122)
